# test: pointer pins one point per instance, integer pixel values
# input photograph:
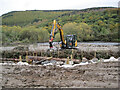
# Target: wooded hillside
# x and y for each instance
(90, 24)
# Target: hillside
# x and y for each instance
(100, 23)
(22, 18)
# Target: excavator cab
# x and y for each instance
(71, 41)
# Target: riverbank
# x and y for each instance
(88, 50)
(93, 73)
(98, 75)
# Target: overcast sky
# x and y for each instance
(18, 5)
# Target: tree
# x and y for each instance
(82, 30)
(34, 34)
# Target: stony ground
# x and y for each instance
(100, 75)
(82, 47)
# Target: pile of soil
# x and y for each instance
(99, 75)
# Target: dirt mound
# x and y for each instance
(100, 75)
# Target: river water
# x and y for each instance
(100, 43)
(93, 43)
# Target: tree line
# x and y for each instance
(28, 34)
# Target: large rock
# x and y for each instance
(84, 59)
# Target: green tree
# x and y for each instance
(82, 30)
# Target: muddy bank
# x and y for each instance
(77, 54)
(84, 50)
(100, 75)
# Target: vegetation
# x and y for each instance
(23, 18)
(93, 24)
(82, 30)
(28, 34)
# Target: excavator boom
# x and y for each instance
(61, 34)
(53, 31)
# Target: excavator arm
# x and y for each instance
(52, 34)
(53, 31)
(61, 34)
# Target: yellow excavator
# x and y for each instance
(69, 43)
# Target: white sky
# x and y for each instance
(18, 5)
